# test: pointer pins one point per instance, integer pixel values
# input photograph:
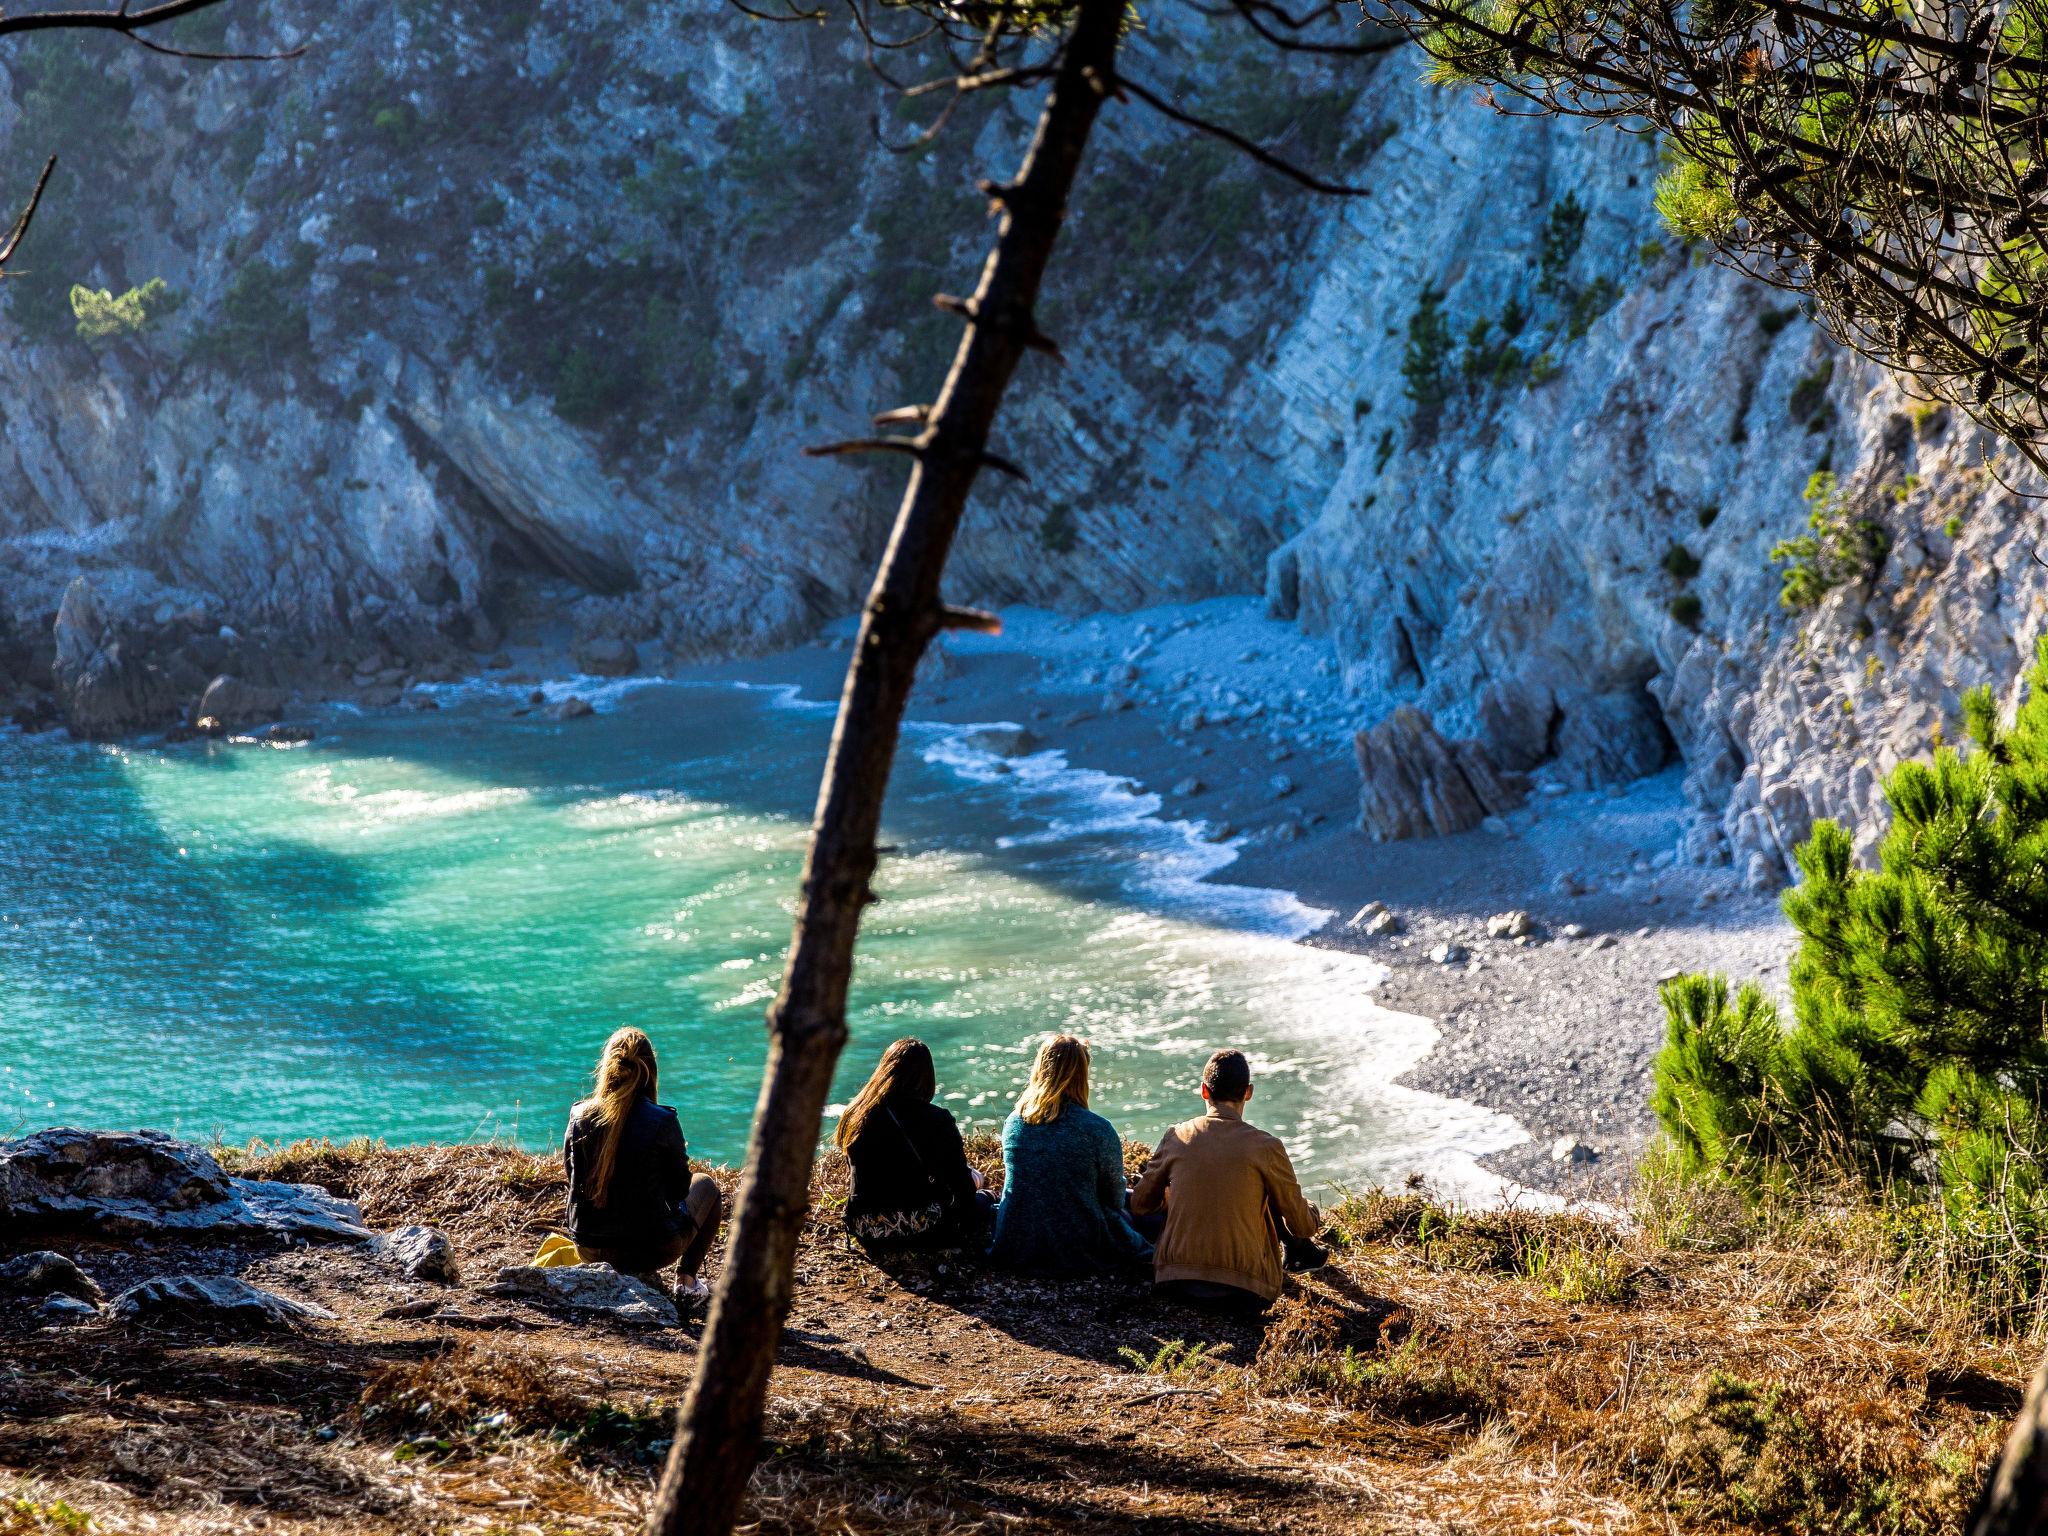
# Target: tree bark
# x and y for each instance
(2015, 1501)
(719, 1432)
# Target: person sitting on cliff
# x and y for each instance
(1062, 1211)
(1231, 1201)
(633, 1202)
(912, 1187)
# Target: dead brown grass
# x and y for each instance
(1510, 1372)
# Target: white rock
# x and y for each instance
(1509, 925)
(1282, 786)
(1382, 923)
(1569, 1149)
(1366, 914)
(1603, 941)
(1448, 953)
(1571, 931)
(1762, 875)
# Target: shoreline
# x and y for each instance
(1558, 1033)
(1240, 727)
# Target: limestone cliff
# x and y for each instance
(490, 317)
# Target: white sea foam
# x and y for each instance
(381, 807)
(1319, 1020)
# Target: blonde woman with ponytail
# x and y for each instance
(633, 1202)
(1062, 1210)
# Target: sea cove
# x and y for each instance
(421, 925)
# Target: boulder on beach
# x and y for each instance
(143, 1183)
(1510, 925)
(229, 704)
(1004, 740)
(210, 1300)
(105, 687)
(1413, 783)
(605, 656)
(572, 708)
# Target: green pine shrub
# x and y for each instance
(1426, 359)
(1842, 544)
(1916, 1066)
(1680, 563)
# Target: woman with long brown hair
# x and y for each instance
(633, 1202)
(1063, 1176)
(912, 1187)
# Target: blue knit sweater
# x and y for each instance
(1063, 1197)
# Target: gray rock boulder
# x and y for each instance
(571, 708)
(66, 1312)
(212, 1300)
(46, 1274)
(605, 656)
(593, 1288)
(104, 687)
(229, 704)
(420, 1253)
(143, 1183)
(1413, 783)
(1004, 740)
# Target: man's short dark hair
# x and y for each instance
(1228, 1077)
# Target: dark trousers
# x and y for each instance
(684, 1249)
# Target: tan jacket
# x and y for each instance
(1223, 1183)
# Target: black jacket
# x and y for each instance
(908, 1156)
(649, 1179)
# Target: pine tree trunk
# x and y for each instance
(719, 1433)
(2015, 1501)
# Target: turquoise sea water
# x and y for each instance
(423, 925)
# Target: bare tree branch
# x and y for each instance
(28, 212)
(1238, 141)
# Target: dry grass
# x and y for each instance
(1708, 1369)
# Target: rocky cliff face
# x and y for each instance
(491, 317)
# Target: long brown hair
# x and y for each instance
(625, 1072)
(904, 1075)
(1060, 1074)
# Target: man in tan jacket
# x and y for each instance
(1231, 1200)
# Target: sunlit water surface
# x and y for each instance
(422, 926)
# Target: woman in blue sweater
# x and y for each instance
(1062, 1211)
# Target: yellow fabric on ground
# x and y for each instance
(557, 1252)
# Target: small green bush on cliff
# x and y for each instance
(1842, 544)
(1916, 1067)
(106, 316)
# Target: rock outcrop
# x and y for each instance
(44, 1274)
(588, 1288)
(133, 1184)
(1413, 783)
(211, 1301)
(229, 704)
(420, 1253)
(106, 685)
